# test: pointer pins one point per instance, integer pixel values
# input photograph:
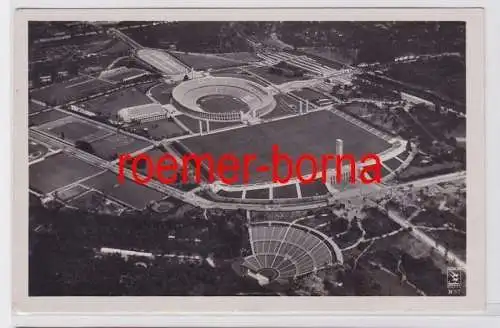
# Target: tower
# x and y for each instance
(339, 147)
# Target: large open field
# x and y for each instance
(272, 77)
(161, 129)
(73, 129)
(238, 73)
(309, 94)
(285, 105)
(109, 105)
(36, 150)
(314, 133)
(111, 147)
(74, 89)
(45, 117)
(35, 107)
(162, 92)
(205, 61)
(129, 192)
(58, 171)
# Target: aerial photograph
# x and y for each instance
(247, 158)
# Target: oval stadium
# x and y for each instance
(283, 251)
(223, 99)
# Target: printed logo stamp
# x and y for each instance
(455, 280)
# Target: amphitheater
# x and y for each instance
(186, 95)
(283, 250)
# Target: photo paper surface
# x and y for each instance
(215, 164)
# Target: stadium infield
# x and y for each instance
(222, 104)
(314, 133)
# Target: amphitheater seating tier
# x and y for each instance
(289, 249)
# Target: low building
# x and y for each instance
(143, 113)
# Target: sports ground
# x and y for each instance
(58, 171)
(71, 128)
(111, 104)
(314, 133)
(222, 104)
(74, 89)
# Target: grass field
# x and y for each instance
(314, 133)
(238, 73)
(162, 92)
(373, 114)
(155, 154)
(313, 189)
(58, 171)
(35, 108)
(393, 163)
(222, 104)
(257, 194)
(111, 147)
(109, 105)
(274, 78)
(241, 56)
(73, 129)
(289, 191)
(204, 61)
(74, 89)
(285, 105)
(36, 150)
(161, 129)
(129, 192)
(45, 117)
(230, 194)
(309, 94)
(71, 192)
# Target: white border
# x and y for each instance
(493, 17)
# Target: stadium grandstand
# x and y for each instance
(143, 113)
(187, 94)
(283, 251)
